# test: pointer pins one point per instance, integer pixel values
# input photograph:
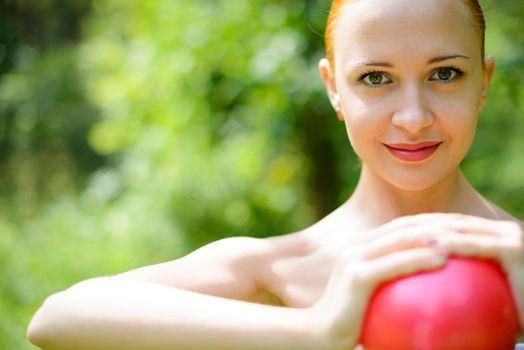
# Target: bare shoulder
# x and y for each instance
(230, 268)
(504, 215)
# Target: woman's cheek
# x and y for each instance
(363, 132)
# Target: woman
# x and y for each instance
(409, 80)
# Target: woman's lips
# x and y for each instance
(413, 152)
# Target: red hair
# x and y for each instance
(337, 6)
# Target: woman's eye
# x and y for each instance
(375, 79)
(446, 74)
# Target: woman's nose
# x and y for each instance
(413, 113)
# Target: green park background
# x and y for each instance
(132, 132)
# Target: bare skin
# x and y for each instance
(319, 280)
(290, 270)
(309, 289)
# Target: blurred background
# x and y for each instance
(132, 132)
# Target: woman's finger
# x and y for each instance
(406, 224)
(484, 226)
(354, 279)
(460, 222)
(481, 246)
(408, 238)
(397, 264)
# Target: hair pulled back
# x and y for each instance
(337, 6)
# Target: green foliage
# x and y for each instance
(495, 163)
(135, 131)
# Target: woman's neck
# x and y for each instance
(376, 201)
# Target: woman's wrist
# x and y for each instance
(324, 331)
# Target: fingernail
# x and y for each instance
(432, 242)
(441, 251)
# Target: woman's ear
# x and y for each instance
(329, 82)
(489, 68)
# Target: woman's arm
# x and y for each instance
(151, 309)
(190, 303)
(118, 313)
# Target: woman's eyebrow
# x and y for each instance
(360, 64)
(431, 61)
(389, 65)
(355, 66)
(447, 57)
(379, 64)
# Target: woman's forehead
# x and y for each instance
(418, 8)
(378, 29)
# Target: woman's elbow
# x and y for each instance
(59, 317)
(42, 328)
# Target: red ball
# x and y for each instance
(467, 304)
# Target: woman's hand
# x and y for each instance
(405, 246)
(493, 239)
(401, 247)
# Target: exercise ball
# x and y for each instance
(467, 304)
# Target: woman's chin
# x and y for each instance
(415, 183)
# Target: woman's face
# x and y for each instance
(408, 74)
